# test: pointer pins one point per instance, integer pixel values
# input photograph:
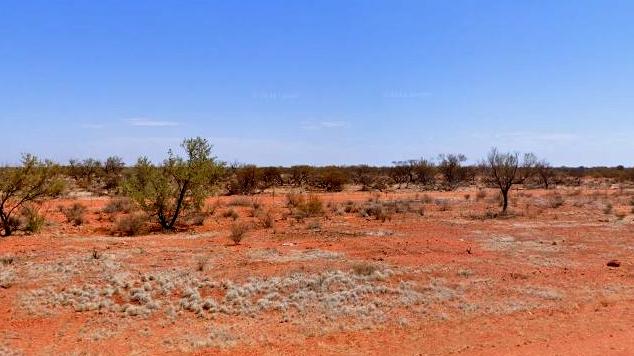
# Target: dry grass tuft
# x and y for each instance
(238, 231)
(130, 225)
(75, 214)
(118, 205)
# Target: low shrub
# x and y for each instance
(364, 268)
(196, 218)
(118, 205)
(442, 204)
(130, 225)
(32, 220)
(75, 214)
(314, 225)
(294, 199)
(238, 231)
(230, 214)
(350, 207)
(377, 211)
(555, 201)
(266, 219)
(240, 201)
(306, 207)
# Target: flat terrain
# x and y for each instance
(439, 276)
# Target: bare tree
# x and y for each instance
(505, 169)
(402, 172)
(545, 173)
(30, 182)
(300, 175)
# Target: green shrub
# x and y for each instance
(32, 181)
(178, 185)
(33, 221)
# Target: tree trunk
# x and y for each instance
(6, 226)
(505, 197)
(179, 204)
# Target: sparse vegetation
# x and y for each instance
(238, 231)
(364, 268)
(32, 220)
(231, 213)
(130, 225)
(555, 201)
(118, 205)
(75, 214)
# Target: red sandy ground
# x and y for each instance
(533, 283)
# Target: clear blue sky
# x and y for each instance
(344, 82)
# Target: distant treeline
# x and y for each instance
(446, 173)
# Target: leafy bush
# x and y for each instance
(178, 185)
(32, 181)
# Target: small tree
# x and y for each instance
(545, 173)
(423, 171)
(84, 172)
(505, 169)
(31, 182)
(244, 180)
(300, 175)
(177, 185)
(401, 172)
(270, 177)
(451, 168)
(112, 172)
(331, 179)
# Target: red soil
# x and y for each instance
(533, 283)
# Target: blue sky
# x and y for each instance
(343, 82)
